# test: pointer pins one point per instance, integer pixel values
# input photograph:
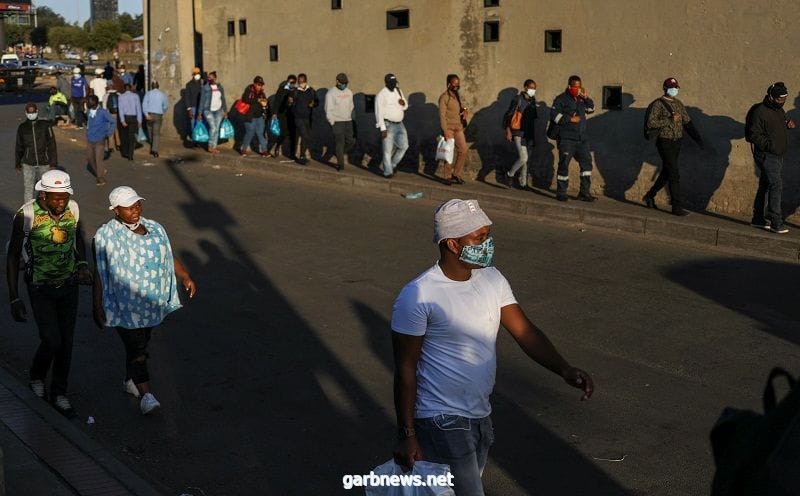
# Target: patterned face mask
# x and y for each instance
(480, 255)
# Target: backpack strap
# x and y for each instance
(76, 211)
(27, 217)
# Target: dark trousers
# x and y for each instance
(279, 143)
(343, 135)
(567, 149)
(77, 107)
(55, 310)
(136, 355)
(303, 127)
(670, 174)
(767, 205)
(127, 135)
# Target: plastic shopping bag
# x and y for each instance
(445, 149)
(379, 483)
(200, 133)
(141, 137)
(225, 129)
(275, 127)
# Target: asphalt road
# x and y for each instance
(277, 378)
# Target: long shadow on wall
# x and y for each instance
(486, 135)
(791, 167)
(542, 464)
(422, 125)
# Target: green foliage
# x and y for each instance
(67, 36)
(46, 18)
(134, 26)
(105, 36)
(16, 34)
(39, 36)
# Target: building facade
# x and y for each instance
(724, 54)
(103, 10)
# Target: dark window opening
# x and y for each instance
(398, 19)
(612, 97)
(491, 3)
(552, 41)
(491, 31)
(273, 53)
(336, 4)
(231, 28)
(242, 26)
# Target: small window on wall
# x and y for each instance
(231, 28)
(491, 3)
(336, 4)
(273, 53)
(491, 31)
(398, 19)
(612, 97)
(552, 41)
(242, 26)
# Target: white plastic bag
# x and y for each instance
(445, 149)
(420, 472)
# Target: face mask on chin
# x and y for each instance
(480, 255)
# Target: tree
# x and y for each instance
(134, 26)
(46, 18)
(15, 34)
(105, 35)
(39, 36)
(68, 37)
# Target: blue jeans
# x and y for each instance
(461, 442)
(767, 205)
(567, 149)
(254, 128)
(214, 120)
(397, 138)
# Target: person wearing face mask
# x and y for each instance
(79, 90)
(339, 112)
(35, 151)
(667, 117)
(100, 127)
(453, 120)
(569, 113)
(281, 105)
(125, 76)
(390, 109)
(444, 332)
(521, 132)
(305, 101)
(765, 130)
(213, 109)
(191, 100)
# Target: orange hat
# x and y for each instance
(195, 70)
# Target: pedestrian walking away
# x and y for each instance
(390, 108)
(79, 90)
(444, 333)
(305, 101)
(520, 124)
(100, 127)
(111, 103)
(135, 285)
(339, 112)
(765, 130)
(125, 76)
(213, 109)
(35, 151)
(47, 233)
(191, 100)
(453, 120)
(130, 118)
(569, 113)
(255, 117)
(154, 105)
(667, 119)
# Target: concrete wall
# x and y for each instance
(723, 53)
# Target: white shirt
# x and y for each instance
(99, 85)
(216, 98)
(460, 320)
(388, 108)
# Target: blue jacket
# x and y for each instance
(564, 107)
(205, 98)
(78, 87)
(100, 126)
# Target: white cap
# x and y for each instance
(98, 71)
(54, 181)
(456, 218)
(76, 70)
(123, 196)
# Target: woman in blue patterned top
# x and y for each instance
(135, 284)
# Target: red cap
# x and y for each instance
(671, 83)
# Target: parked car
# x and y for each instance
(72, 56)
(7, 58)
(92, 56)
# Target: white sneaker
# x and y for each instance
(130, 388)
(148, 403)
(37, 387)
(63, 405)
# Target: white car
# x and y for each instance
(72, 56)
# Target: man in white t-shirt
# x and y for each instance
(445, 325)
(390, 109)
(99, 84)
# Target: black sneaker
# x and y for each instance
(649, 202)
(562, 198)
(37, 387)
(586, 197)
(301, 161)
(763, 224)
(506, 180)
(680, 212)
(778, 229)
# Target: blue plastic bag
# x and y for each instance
(275, 127)
(200, 133)
(141, 137)
(225, 129)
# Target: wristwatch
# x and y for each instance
(405, 432)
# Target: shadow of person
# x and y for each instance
(368, 150)
(541, 166)
(422, 125)
(791, 171)
(487, 136)
(180, 119)
(567, 471)
(323, 147)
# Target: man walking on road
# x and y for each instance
(49, 232)
(130, 118)
(569, 113)
(453, 120)
(390, 108)
(99, 128)
(339, 112)
(154, 106)
(765, 130)
(35, 151)
(444, 333)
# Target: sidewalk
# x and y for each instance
(45, 454)
(701, 229)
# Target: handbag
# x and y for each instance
(513, 121)
(241, 106)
